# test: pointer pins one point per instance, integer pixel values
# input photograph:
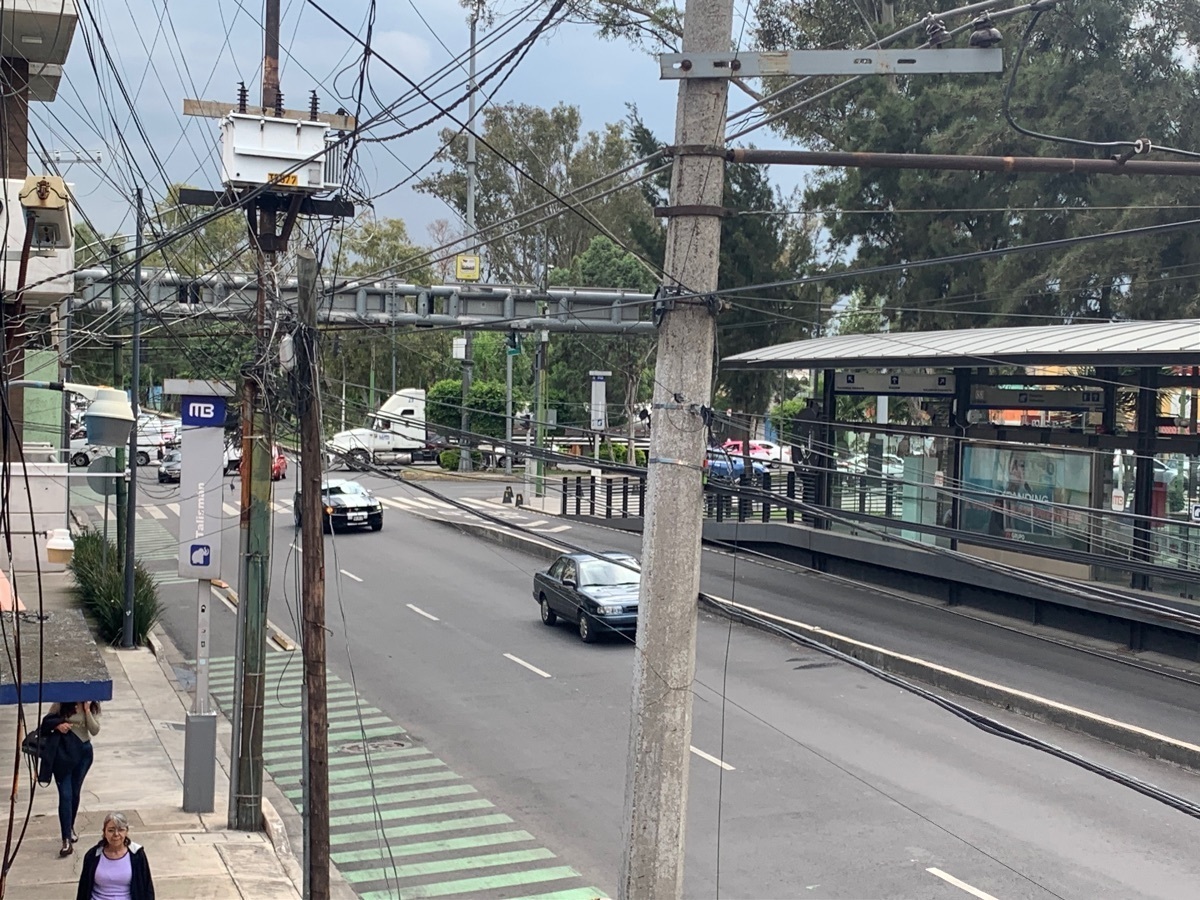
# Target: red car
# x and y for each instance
(279, 466)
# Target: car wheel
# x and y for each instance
(143, 458)
(587, 628)
(162, 479)
(359, 460)
(549, 616)
(79, 460)
(377, 526)
(326, 525)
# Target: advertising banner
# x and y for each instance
(1021, 493)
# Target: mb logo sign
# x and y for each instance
(204, 412)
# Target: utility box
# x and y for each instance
(287, 154)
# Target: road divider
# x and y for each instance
(1120, 734)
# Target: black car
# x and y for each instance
(169, 468)
(346, 504)
(596, 591)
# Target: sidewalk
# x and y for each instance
(138, 770)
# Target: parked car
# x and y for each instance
(598, 592)
(84, 454)
(346, 504)
(279, 465)
(721, 465)
(170, 467)
(891, 466)
(769, 452)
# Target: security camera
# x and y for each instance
(45, 199)
(985, 34)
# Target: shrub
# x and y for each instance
(100, 581)
(618, 453)
(448, 459)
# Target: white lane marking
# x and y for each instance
(555, 530)
(536, 523)
(531, 668)
(992, 685)
(173, 507)
(279, 507)
(712, 759)
(229, 509)
(961, 885)
(220, 595)
(394, 504)
(292, 546)
(155, 512)
(351, 575)
(421, 612)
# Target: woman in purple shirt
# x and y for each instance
(116, 868)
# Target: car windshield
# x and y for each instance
(346, 487)
(173, 456)
(603, 572)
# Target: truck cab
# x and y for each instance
(395, 434)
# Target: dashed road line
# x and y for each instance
(529, 666)
(421, 612)
(961, 885)
(350, 575)
(712, 759)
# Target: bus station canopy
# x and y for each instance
(1150, 344)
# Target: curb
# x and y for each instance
(274, 633)
(1120, 734)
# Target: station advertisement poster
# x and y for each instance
(1025, 493)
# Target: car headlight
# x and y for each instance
(608, 610)
(329, 510)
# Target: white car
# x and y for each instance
(891, 466)
(84, 454)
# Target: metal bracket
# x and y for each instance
(698, 209)
(696, 150)
(831, 62)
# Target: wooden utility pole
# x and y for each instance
(312, 590)
(665, 662)
(255, 523)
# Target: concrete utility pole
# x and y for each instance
(316, 786)
(255, 522)
(468, 363)
(135, 388)
(664, 665)
(118, 380)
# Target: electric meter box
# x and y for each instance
(285, 153)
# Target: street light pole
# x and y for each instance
(135, 385)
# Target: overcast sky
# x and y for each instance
(166, 51)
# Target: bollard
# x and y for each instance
(508, 495)
(520, 500)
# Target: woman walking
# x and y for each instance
(116, 868)
(68, 757)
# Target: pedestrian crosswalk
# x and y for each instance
(154, 511)
(402, 824)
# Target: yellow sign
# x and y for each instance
(466, 267)
(289, 179)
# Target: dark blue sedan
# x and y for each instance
(596, 591)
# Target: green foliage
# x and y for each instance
(486, 400)
(1177, 499)
(100, 581)
(1101, 71)
(782, 414)
(619, 453)
(448, 460)
(222, 244)
(557, 157)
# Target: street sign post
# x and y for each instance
(200, 524)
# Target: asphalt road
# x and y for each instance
(841, 786)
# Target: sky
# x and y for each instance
(167, 50)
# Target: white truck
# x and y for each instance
(396, 434)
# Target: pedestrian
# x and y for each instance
(116, 868)
(69, 728)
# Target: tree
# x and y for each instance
(1099, 71)
(219, 245)
(443, 406)
(538, 155)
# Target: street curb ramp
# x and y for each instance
(1120, 734)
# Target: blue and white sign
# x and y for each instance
(201, 499)
(599, 400)
(204, 412)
